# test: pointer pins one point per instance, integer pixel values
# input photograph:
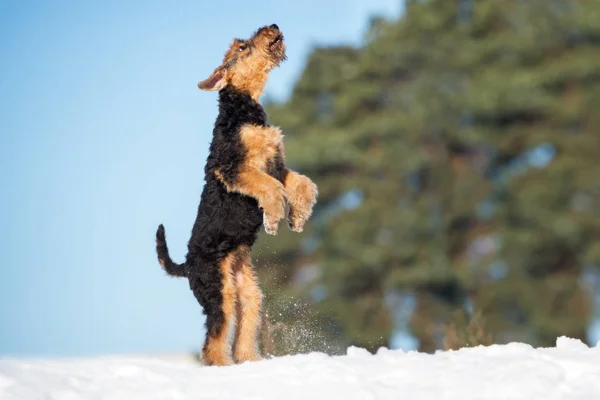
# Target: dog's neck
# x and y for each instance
(231, 93)
(237, 108)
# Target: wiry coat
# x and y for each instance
(225, 220)
(246, 185)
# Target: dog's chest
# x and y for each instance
(263, 144)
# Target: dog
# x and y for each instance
(246, 185)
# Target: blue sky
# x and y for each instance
(103, 135)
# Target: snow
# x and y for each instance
(570, 370)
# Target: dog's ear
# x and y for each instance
(216, 81)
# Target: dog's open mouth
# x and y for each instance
(277, 43)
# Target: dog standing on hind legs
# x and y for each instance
(246, 185)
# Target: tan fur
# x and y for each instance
(251, 77)
(268, 191)
(242, 303)
(301, 195)
(262, 144)
(246, 69)
(251, 74)
(217, 349)
(249, 312)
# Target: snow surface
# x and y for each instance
(570, 370)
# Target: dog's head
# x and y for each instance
(247, 63)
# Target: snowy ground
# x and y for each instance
(571, 370)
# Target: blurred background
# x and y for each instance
(455, 145)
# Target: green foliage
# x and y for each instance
(456, 155)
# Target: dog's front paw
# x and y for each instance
(296, 221)
(271, 226)
(274, 210)
(301, 208)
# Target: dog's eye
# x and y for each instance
(242, 47)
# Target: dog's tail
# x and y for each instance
(173, 269)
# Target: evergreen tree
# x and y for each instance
(455, 155)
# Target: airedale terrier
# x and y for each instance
(246, 185)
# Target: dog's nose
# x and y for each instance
(274, 26)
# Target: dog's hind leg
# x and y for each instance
(219, 302)
(249, 311)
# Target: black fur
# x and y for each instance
(225, 220)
